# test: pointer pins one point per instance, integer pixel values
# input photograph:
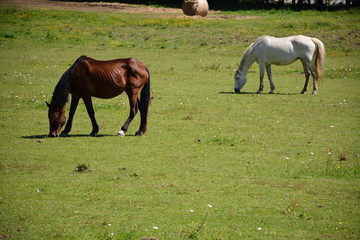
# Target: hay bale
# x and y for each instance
(195, 7)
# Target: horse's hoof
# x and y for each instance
(121, 133)
(314, 92)
(138, 133)
(93, 134)
(64, 134)
(237, 90)
(271, 92)
(54, 135)
(302, 92)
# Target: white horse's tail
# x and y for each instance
(319, 57)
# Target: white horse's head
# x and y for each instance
(240, 80)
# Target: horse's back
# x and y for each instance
(272, 50)
(304, 46)
(285, 42)
(107, 79)
(283, 51)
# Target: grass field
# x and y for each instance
(213, 164)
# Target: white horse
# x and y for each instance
(268, 50)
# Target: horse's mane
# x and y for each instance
(62, 89)
(249, 50)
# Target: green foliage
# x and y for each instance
(213, 165)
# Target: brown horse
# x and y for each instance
(88, 78)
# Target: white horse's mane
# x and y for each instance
(249, 50)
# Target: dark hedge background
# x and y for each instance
(245, 4)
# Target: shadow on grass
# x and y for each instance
(69, 136)
(255, 93)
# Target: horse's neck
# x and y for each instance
(60, 98)
(62, 90)
(246, 62)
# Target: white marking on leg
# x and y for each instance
(121, 133)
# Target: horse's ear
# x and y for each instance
(47, 104)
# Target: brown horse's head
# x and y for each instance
(57, 119)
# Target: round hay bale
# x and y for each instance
(202, 8)
(189, 7)
(195, 7)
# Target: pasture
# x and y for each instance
(213, 164)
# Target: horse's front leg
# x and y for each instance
(74, 103)
(262, 73)
(90, 110)
(133, 100)
(269, 73)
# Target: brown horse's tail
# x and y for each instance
(319, 57)
(144, 102)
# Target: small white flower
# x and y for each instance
(312, 153)
(287, 158)
(259, 229)
(191, 210)
(154, 227)
(209, 205)
(109, 224)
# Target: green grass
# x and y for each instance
(213, 165)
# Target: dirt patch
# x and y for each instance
(88, 6)
(108, 7)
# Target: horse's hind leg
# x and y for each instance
(74, 103)
(307, 76)
(143, 123)
(315, 80)
(272, 86)
(90, 110)
(143, 107)
(133, 100)
(314, 76)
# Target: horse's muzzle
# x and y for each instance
(237, 90)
